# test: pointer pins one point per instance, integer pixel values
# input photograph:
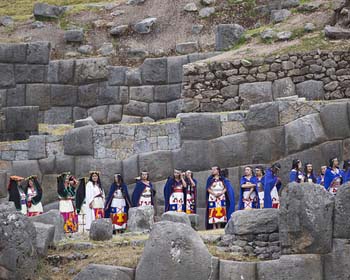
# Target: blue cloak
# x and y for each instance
(346, 177)
(270, 181)
(109, 199)
(319, 180)
(261, 181)
(139, 188)
(168, 190)
(230, 199)
(294, 176)
(244, 180)
(329, 176)
(312, 177)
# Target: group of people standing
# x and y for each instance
(84, 200)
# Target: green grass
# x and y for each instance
(23, 9)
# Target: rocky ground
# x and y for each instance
(70, 255)
(176, 22)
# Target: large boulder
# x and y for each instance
(140, 218)
(303, 133)
(253, 222)
(18, 255)
(336, 263)
(335, 120)
(43, 10)
(145, 26)
(306, 224)
(44, 237)
(174, 250)
(157, 163)
(79, 141)
(176, 217)
(237, 270)
(101, 230)
(301, 267)
(253, 93)
(262, 116)
(105, 272)
(227, 35)
(342, 213)
(283, 88)
(199, 126)
(311, 90)
(53, 217)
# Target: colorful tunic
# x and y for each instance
(333, 179)
(117, 206)
(272, 184)
(248, 200)
(219, 209)
(174, 196)
(35, 207)
(260, 191)
(191, 197)
(296, 176)
(94, 195)
(143, 194)
(67, 209)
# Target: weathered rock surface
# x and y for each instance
(105, 272)
(341, 213)
(44, 237)
(177, 246)
(227, 35)
(306, 219)
(176, 217)
(47, 11)
(336, 266)
(140, 218)
(101, 230)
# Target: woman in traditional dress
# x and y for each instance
(175, 193)
(220, 199)
(333, 177)
(117, 204)
(248, 197)
(320, 178)
(17, 194)
(272, 185)
(191, 193)
(66, 185)
(309, 173)
(346, 171)
(296, 174)
(34, 195)
(144, 193)
(95, 199)
(259, 174)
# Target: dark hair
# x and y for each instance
(251, 168)
(144, 172)
(276, 165)
(261, 168)
(305, 168)
(98, 179)
(346, 164)
(295, 163)
(331, 161)
(119, 179)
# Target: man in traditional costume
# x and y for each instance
(34, 195)
(191, 193)
(333, 177)
(144, 193)
(175, 193)
(272, 185)
(248, 197)
(220, 199)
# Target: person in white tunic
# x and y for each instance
(95, 199)
(34, 196)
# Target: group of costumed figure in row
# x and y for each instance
(331, 176)
(26, 193)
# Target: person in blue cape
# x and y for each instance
(272, 185)
(320, 178)
(175, 193)
(333, 177)
(220, 199)
(118, 204)
(259, 175)
(346, 171)
(144, 192)
(296, 175)
(309, 173)
(248, 197)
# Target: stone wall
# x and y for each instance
(222, 85)
(280, 131)
(68, 90)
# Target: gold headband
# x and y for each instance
(94, 172)
(31, 177)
